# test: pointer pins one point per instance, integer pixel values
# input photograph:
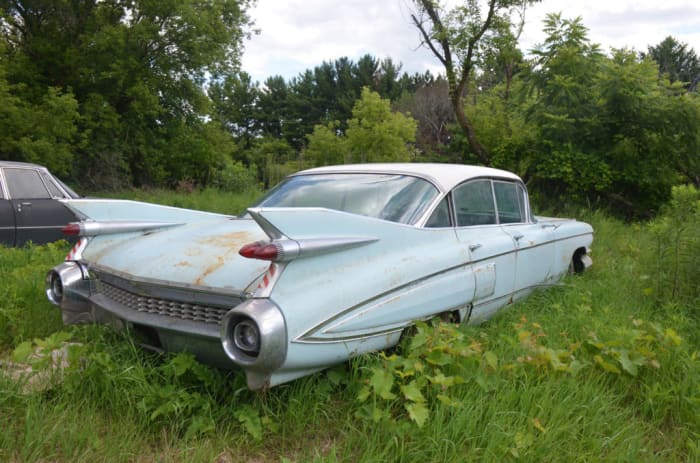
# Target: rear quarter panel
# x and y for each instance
(407, 274)
(569, 235)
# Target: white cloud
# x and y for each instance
(296, 35)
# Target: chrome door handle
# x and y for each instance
(27, 205)
(518, 237)
(474, 247)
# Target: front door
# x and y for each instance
(491, 250)
(39, 218)
(533, 243)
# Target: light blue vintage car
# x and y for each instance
(332, 263)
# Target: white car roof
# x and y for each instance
(445, 176)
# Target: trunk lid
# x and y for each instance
(203, 254)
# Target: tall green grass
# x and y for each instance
(208, 199)
(603, 367)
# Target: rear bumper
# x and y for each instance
(82, 299)
(167, 319)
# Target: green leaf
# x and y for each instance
(382, 382)
(250, 420)
(418, 412)
(447, 400)
(491, 360)
(418, 340)
(625, 362)
(438, 358)
(673, 336)
(486, 382)
(364, 393)
(524, 440)
(445, 381)
(199, 426)
(23, 351)
(606, 365)
(337, 376)
(412, 392)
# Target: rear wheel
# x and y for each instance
(577, 265)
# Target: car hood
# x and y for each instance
(202, 254)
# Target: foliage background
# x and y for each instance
(138, 93)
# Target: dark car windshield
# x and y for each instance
(397, 198)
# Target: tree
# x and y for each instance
(136, 69)
(273, 107)
(41, 132)
(234, 102)
(677, 61)
(565, 111)
(430, 106)
(374, 134)
(607, 130)
(454, 38)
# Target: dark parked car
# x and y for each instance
(30, 209)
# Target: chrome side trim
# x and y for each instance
(312, 247)
(91, 228)
(308, 336)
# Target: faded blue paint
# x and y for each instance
(339, 303)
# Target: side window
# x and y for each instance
(53, 189)
(440, 217)
(510, 202)
(474, 204)
(25, 184)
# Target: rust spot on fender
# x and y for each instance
(210, 269)
(228, 240)
(228, 245)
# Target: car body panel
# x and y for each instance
(317, 286)
(7, 222)
(40, 220)
(30, 208)
(389, 276)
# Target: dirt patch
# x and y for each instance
(41, 371)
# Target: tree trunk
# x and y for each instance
(468, 130)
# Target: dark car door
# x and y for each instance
(39, 217)
(7, 220)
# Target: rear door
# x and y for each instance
(7, 217)
(39, 216)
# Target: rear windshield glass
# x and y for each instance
(397, 198)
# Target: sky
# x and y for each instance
(296, 35)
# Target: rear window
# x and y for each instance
(396, 198)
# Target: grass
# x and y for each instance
(513, 402)
(209, 199)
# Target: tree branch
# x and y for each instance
(428, 41)
(467, 62)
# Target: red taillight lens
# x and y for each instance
(72, 229)
(263, 250)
